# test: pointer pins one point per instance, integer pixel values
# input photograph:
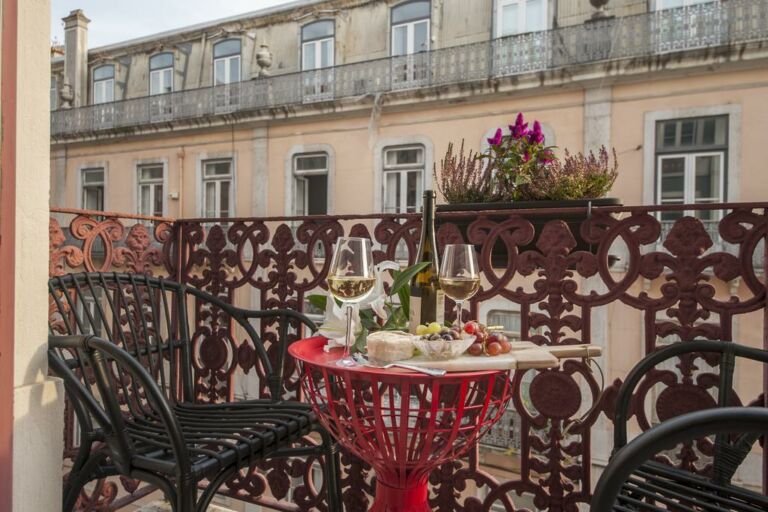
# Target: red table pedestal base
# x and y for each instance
(401, 499)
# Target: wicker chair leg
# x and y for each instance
(213, 487)
(186, 496)
(332, 474)
(77, 481)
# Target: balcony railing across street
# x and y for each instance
(672, 279)
(692, 27)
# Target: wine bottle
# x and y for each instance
(427, 300)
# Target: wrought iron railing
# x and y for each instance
(692, 27)
(674, 283)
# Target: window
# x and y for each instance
(92, 181)
(226, 62)
(217, 188)
(410, 28)
(150, 193)
(520, 16)
(690, 163)
(317, 45)
(104, 84)
(670, 4)
(403, 178)
(54, 93)
(161, 73)
(410, 35)
(317, 53)
(509, 320)
(310, 174)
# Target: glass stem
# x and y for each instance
(458, 313)
(348, 340)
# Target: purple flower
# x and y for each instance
(496, 139)
(526, 156)
(520, 128)
(535, 136)
(547, 156)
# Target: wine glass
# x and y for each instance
(350, 279)
(459, 275)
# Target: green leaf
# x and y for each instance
(360, 341)
(367, 320)
(405, 299)
(404, 277)
(318, 301)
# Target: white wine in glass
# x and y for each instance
(459, 275)
(350, 279)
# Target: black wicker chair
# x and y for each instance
(635, 480)
(123, 345)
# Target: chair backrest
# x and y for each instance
(728, 453)
(183, 337)
(130, 409)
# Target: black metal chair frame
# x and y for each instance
(142, 420)
(634, 481)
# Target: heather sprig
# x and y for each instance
(519, 166)
(576, 176)
(465, 178)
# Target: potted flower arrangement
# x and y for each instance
(519, 171)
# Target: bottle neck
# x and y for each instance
(427, 242)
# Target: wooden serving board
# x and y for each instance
(524, 355)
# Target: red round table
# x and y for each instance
(403, 423)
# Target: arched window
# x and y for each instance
(104, 84)
(317, 42)
(410, 27)
(161, 73)
(226, 62)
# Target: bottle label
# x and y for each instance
(440, 309)
(414, 315)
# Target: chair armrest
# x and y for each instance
(274, 373)
(102, 353)
(667, 435)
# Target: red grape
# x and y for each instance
(470, 327)
(506, 346)
(476, 349)
(494, 337)
(494, 348)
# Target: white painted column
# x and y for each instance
(260, 159)
(597, 118)
(38, 407)
(597, 132)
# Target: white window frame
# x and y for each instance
(403, 170)
(732, 177)
(410, 36)
(689, 177)
(152, 184)
(227, 70)
(218, 181)
(659, 4)
(521, 26)
(83, 185)
(227, 59)
(289, 182)
(317, 80)
(298, 177)
(104, 86)
(162, 73)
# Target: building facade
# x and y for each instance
(345, 106)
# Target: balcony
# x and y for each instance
(718, 24)
(674, 283)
